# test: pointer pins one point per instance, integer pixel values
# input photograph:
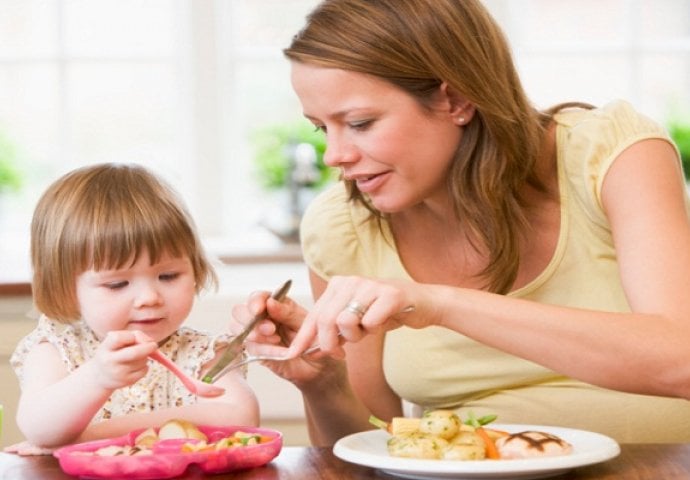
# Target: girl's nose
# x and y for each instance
(147, 295)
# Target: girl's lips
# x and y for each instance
(146, 321)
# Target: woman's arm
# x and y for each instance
(340, 403)
(339, 394)
(645, 351)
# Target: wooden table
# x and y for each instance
(636, 462)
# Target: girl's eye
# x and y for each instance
(169, 277)
(320, 128)
(116, 285)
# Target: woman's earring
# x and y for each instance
(460, 120)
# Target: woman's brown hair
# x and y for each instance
(104, 217)
(417, 45)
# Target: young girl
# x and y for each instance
(114, 252)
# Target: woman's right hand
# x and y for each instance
(273, 335)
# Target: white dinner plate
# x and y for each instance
(369, 449)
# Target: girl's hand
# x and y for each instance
(25, 449)
(121, 360)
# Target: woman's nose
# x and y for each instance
(338, 151)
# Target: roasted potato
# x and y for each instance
(443, 423)
(417, 445)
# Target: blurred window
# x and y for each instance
(181, 85)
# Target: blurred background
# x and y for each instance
(199, 91)
(186, 87)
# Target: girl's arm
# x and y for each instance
(237, 406)
(55, 406)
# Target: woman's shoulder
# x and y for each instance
(337, 234)
(589, 141)
(614, 123)
(331, 206)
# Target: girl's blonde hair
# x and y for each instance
(417, 45)
(103, 217)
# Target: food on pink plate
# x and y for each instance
(144, 454)
(237, 439)
(146, 438)
(530, 444)
(115, 450)
(177, 428)
(144, 442)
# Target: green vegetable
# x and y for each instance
(478, 422)
(378, 423)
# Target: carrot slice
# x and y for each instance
(489, 445)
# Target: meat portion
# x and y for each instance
(530, 444)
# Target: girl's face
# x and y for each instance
(380, 136)
(155, 299)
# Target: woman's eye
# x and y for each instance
(320, 128)
(168, 277)
(361, 125)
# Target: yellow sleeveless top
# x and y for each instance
(436, 367)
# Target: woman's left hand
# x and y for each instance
(353, 307)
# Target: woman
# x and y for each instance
(529, 264)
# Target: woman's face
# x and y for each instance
(379, 136)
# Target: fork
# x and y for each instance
(236, 346)
(249, 358)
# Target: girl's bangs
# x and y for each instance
(121, 243)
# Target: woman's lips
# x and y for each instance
(371, 183)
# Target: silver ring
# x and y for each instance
(356, 308)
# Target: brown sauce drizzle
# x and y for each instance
(536, 443)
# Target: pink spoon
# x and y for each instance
(195, 386)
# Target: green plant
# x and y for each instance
(680, 133)
(10, 175)
(272, 156)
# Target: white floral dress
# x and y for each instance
(190, 349)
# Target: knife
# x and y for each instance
(237, 344)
